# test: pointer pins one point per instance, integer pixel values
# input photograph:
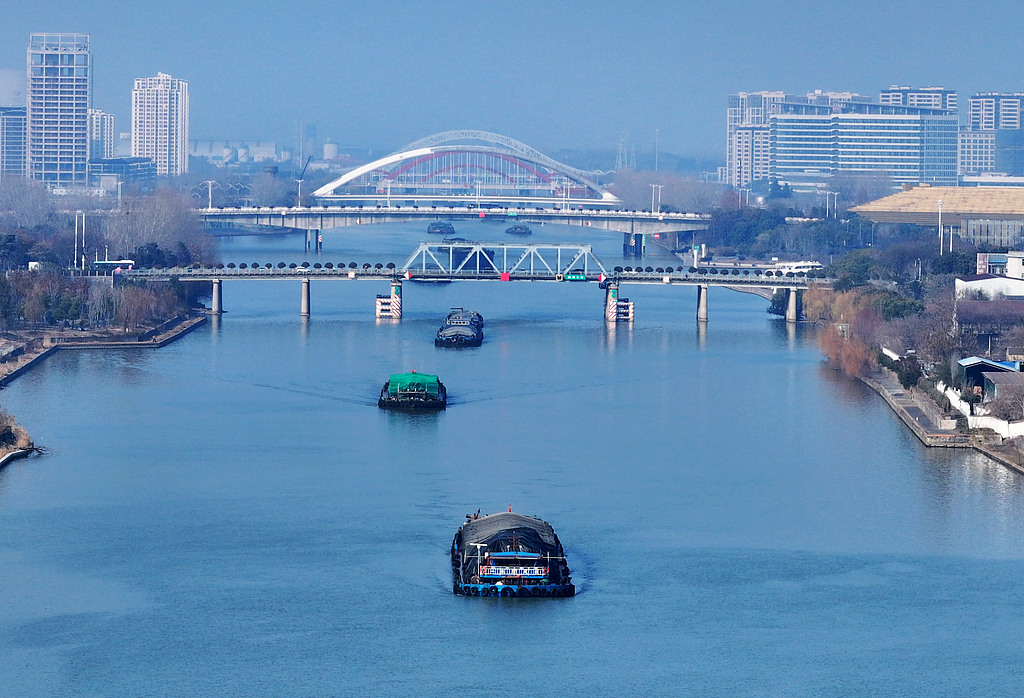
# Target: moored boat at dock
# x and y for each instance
(413, 391)
(508, 554)
(462, 328)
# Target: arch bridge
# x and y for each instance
(468, 167)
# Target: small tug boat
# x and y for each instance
(413, 391)
(518, 229)
(441, 227)
(509, 554)
(461, 328)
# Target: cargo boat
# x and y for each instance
(413, 391)
(439, 227)
(462, 328)
(518, 229)
(508, 554)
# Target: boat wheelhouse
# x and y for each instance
(413, 391)
(508, 554)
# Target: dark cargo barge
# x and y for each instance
(508, 554)
(461, 328)
(413, 391)
(441, 227)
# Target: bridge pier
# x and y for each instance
(702, 303)
(319, 241)
(616, 309)
(611, 301)
(304, 306)
(215, 302)
(633, 245)
(792, 305)
(391, 306)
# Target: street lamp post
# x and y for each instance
(834, 208)
(940, 228)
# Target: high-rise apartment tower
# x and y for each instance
(101, 134)
(160, 123)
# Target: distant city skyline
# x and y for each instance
(571, 75)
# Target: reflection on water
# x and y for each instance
(239, 495)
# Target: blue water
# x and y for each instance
(232, 514)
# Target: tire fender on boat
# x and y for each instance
(484, 591)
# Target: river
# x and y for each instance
(233, 515)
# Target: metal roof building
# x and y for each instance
(984, 215)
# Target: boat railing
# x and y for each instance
(513, 571)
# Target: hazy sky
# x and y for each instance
(551, 74)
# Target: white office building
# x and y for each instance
(989, 111)
(811, 144)
(160, 120)
(747, 134)
(930, 97)
(977, 152)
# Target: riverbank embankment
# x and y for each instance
(913, 409)
(36, 347)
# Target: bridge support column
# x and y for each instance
(617, 309)
(309, 237)
(611, 302)
(792, 305)
(396, 299)
(633, 245)
(319, 241)
(702, 303)
(215, 302)
(391, 306)
(304, 306)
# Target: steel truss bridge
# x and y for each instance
(493, 261)
(468, 166)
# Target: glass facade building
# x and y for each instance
(12, 142)
(811, 144)
(57, 108)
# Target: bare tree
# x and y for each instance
(24, 203)
(166, 219)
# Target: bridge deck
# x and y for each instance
(674, 277)
(488, 261)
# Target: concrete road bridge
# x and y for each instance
(496, 262)
(634, 225)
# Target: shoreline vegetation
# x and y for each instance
(51, 296)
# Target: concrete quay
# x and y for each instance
(920, 420)
(39, 348)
